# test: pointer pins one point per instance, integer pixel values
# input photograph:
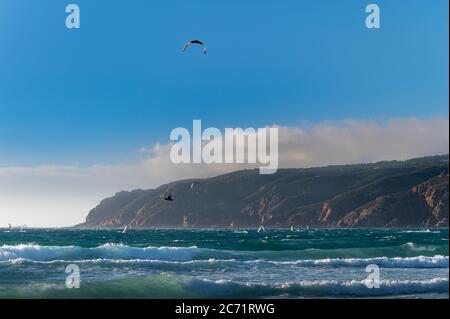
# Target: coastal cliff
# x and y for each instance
(412, 193)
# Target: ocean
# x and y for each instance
(313, 263)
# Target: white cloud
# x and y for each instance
(59, 195)
(363, 141)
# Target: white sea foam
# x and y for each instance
(395, 262)
(428, 231)
(240, 232)
(111, 251)
(163, 285)
(414, 246)
(356, 288)
(118, 253)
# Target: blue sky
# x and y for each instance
(98, 94)
(76, 106)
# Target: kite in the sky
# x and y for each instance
(198, 42)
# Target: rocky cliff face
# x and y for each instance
(411, 193)
(423, 205)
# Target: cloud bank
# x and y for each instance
(62, 195)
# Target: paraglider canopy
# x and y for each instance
(197, 42)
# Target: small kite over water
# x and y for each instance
(197, 42)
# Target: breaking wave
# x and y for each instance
(120, 254)
(109, 251)
(161, 286)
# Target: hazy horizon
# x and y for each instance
(193, 177)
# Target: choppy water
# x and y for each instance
(322, 263)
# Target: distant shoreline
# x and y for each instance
(225, 229)
(392, 194)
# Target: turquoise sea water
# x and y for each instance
(315, 263)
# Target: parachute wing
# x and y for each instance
(196, 42)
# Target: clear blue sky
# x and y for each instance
(96, 95)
